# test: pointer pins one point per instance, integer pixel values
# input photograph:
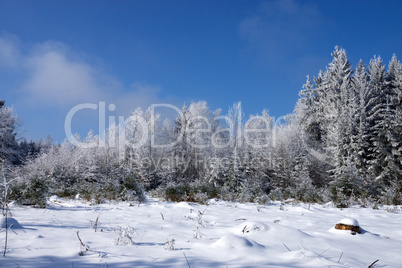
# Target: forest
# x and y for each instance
(342, 143)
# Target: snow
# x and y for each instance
(349, 221)
(234, 241)
(11, 223)
(229, 235)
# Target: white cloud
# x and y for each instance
(56, 76)
(55, 79)
(50, 78)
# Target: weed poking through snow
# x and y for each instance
(126, 236)
(169, 244)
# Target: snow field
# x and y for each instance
(228, 235)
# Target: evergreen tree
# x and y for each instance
(361, 141)
(380, 118)
(335, 104)
(392, 166)
(8, 127)
(304, 189)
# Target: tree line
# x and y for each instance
(342, 143)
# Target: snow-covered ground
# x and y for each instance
(224, 235)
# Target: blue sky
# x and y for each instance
(57, 54)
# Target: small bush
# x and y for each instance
(197, 192)
(276, 195)
(392, 195)
(131, 190)
(34, 192)
(125, 236)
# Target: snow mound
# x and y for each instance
(349, 221)
(234, 241)
(348, 224)
(250, 227)
(11, 223)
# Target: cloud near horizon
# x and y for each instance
(56, 76)
(50, 78)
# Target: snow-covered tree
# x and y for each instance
(381, 116)
(361, 141)
(345, 135)
(8, 128)
(335, 104)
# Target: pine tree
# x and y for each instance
(303, 184)
(392, 132)
(380, 118)
(309, 115)
(336, 101)
(311, 123)
(361, 141)
(8, 127)
(393, 82)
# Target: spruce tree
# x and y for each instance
(361, 142)
(8, 134)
